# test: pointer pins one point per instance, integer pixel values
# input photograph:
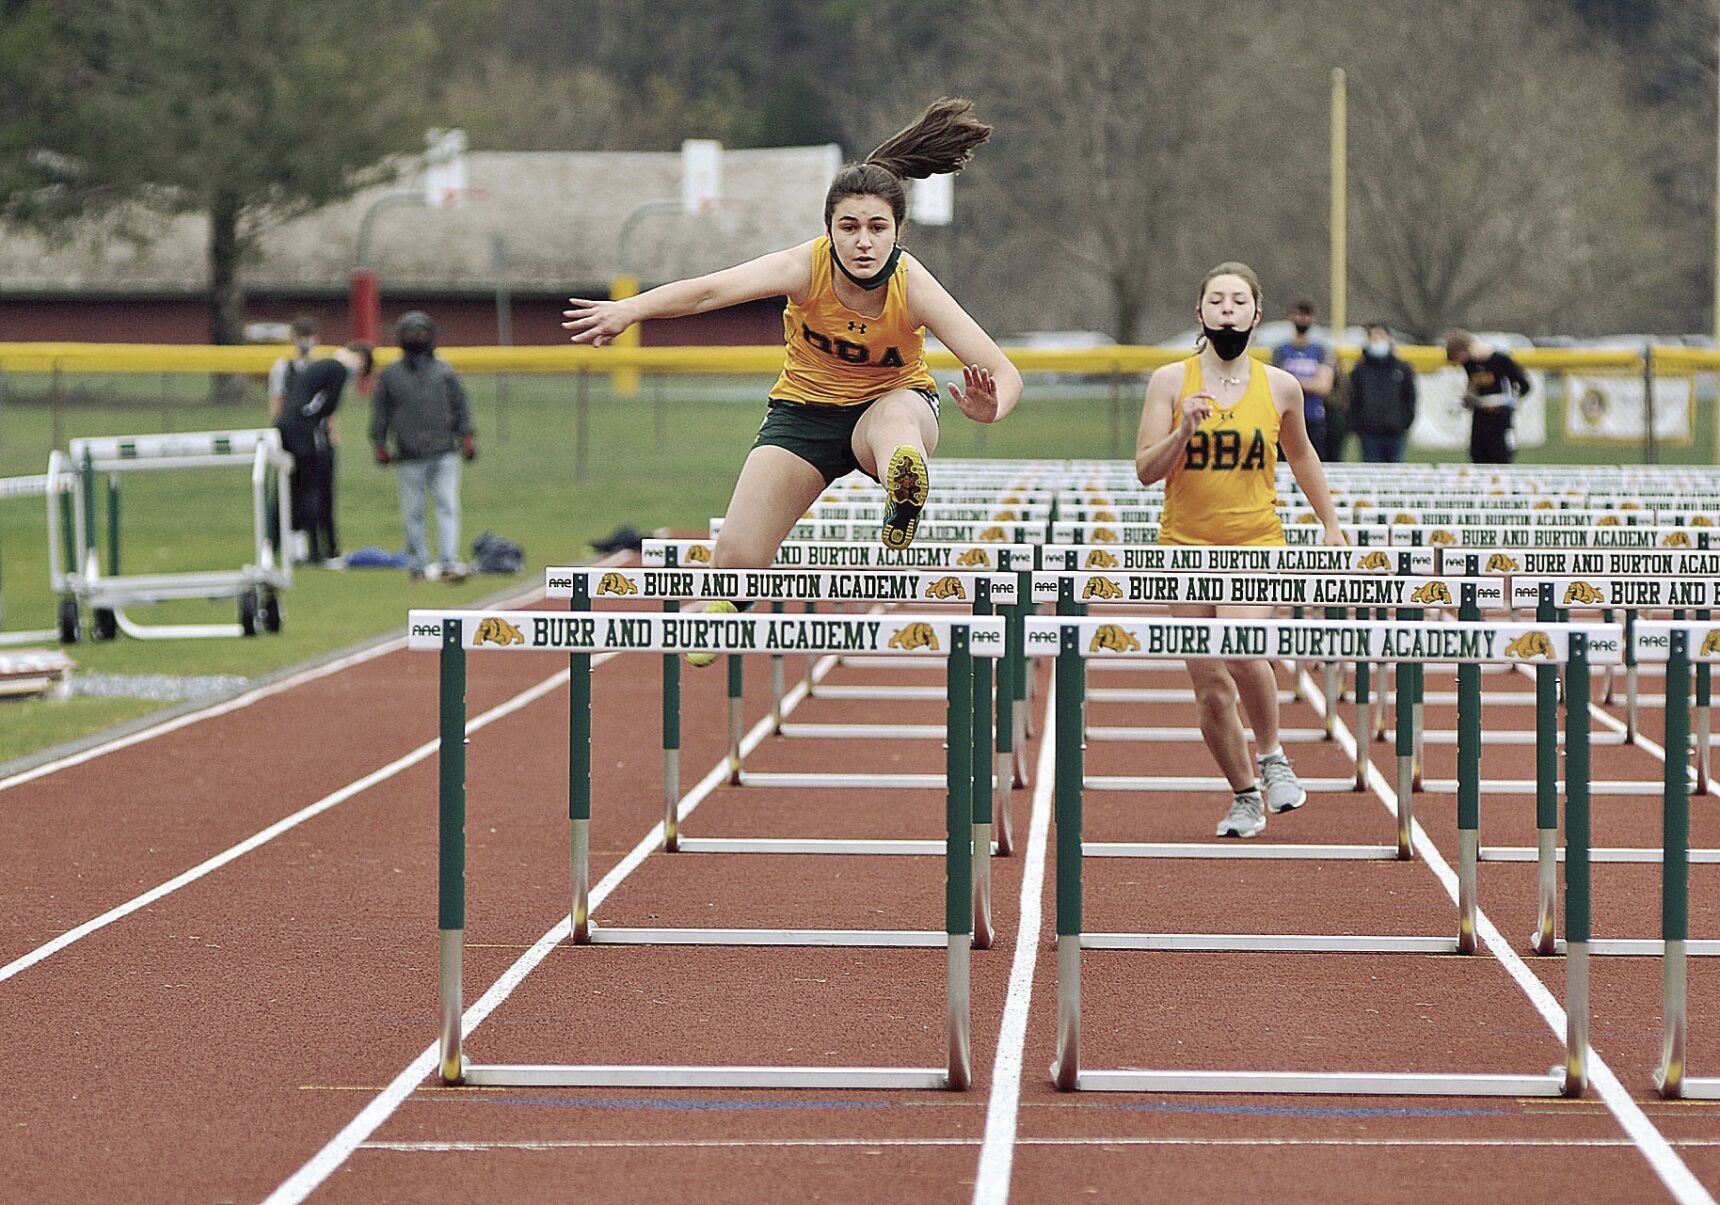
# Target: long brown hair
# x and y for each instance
(942, 140)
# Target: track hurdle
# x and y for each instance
(59, 507)
(671, 586)
(455, 634)
(1683, 644)
(1075, 640)
(963, 557)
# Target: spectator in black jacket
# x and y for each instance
(420, 399)
(1496, 384)
(1382, 398)
(306, 421)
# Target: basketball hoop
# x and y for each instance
(445, 169)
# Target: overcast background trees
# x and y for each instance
(1535, 165)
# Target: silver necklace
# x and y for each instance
(1224, 380)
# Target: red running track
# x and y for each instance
(255, 1030)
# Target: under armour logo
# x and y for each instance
(859, 326)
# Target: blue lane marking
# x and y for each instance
(690, 1106)
(1316, 1111)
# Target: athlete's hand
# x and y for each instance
(979, 401)
(1334, 537)
(1196, 408)
(595, 322)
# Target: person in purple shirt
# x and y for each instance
(1312, 363)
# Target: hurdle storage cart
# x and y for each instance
(86, 586)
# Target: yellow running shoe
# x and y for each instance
(905, 487)
(720, 606)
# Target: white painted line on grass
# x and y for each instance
(997, 1154)
(1654, 1146)
(287, 824)
(357, 1132)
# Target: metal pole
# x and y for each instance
(1003, 784)
(579, 775)
(1068, 785)
(1403, 717)
(778, 683)
(1340, 191)
(1364, 720)
(1675, 872)
(981, 765)
(451, 846)
(958, 854)
(671, 738)
(504, 329)
(1544, 939)
(1577, 868)
(1704, 728)
(1468, 782)
(1650, 443)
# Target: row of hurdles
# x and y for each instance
(979, 774)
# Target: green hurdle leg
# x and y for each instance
(1468, 783)
(1544, 939)
(1607, 687)
(1023, 678)
(579, 791)
(958, 855)
(1003, 782)
(1630, 676)
(1403, 720)
(1577, 869)
(1071, 686)
(777, 683)
(113, 524)
(671, 744)
(1334, 689)
(1704, 730)
(735, 685)
(451, 848)
(1364, 720)
(1675, 873)
(981, 769)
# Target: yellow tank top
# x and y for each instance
(837, 357)
(1222, 490)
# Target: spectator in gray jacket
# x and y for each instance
(420, 400)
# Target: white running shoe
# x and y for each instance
(1247, 815)
(1283, 791)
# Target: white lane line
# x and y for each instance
(1678, 1179)
(237, 703)
(356, 1132)
(997, 1154)
(287, 824)
(576, 1144)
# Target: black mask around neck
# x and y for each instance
(878, 279)
(1227, 341)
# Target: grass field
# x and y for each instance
(666, 457)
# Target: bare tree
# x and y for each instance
(1499, 168)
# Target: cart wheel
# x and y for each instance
(103, 624)
(248, 613)
(71, 626)
(271, 611)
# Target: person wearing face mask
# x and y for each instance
(420, 401)
(1313, 364)
(281, 374)
(854, 392)
(1382, 398)
(1211, 427)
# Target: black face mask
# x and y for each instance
(417, 346)
(878, 279)
(1302, 328)
(1227, 342)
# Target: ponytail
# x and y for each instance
(941, 141)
